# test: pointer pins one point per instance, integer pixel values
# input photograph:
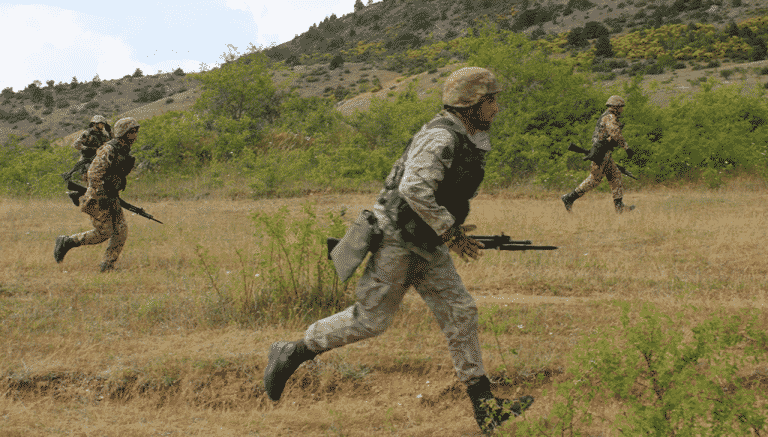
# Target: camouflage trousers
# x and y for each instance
(388, 275)
(108, 224)
(596, 172)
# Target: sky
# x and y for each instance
(59, 40)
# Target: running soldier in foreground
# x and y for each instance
(421, 212)
(89, 141)
(607, 137)
(106, 178)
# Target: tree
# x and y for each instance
(96, 81)
(74, 82)
(238, 89)
(50, 83)
(576, 37)
(603, 47)
(138, 73)
(336, 62)
(593, 29)
(359, 5)
(48, 100)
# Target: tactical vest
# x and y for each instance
(600, 146)
(459, 185)
(95, 139)
(121, 165)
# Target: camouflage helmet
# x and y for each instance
(124, 125)
(466, 86)
(98, 119)
(615, 101)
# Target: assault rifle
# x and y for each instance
(498, 242)
(622, 169)
(80, 166)
(79, 190)
(505, 242)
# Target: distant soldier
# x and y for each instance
(98, 133)
(106, 178)
(421, 212)
(607, 136)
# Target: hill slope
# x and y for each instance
(373, 42)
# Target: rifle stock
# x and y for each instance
(574, 148)
(78, 191)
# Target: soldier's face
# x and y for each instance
(486, 112)
(132, 134)
(99, 126)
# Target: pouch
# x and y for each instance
(363, 236)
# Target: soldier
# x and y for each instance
(106, 178)
(421, 212)
(99, 132)
(607, 137)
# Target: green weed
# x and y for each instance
(667, 379)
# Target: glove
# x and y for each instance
(458, 242)
(630, 153)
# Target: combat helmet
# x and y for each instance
(466, 86)
(98, 119)
(614, 101)
(124, 125)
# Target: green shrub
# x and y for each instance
(147, 96)
(289, 280)
(670, 378)
(32, 171)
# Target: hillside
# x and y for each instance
(376, 48)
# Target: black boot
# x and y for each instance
(105, 267)
(284, 358)
(569, 198)
(75, 197)
(490, 411)
(63, 245)
(620, 207)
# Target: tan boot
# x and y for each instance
(620, 207)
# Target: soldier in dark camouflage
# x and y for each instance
(607, 136)
(106, 178)
(421, 211)
(99, 132)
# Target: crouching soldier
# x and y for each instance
(607, 136)
(106, 178)
(421, 212)
(99, 132)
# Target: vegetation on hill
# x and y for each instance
(287, 145)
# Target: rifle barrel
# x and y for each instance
(516, 247)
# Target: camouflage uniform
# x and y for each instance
(606, 137)
(88, 142)
(412, 215)
(425, 198)
(106, 178)
(607, 129)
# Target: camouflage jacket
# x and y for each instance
(89, 141)
(607, 136)
(429, 187)
(108, 171)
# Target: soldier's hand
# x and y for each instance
(458, 242)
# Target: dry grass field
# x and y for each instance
(145, 351)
